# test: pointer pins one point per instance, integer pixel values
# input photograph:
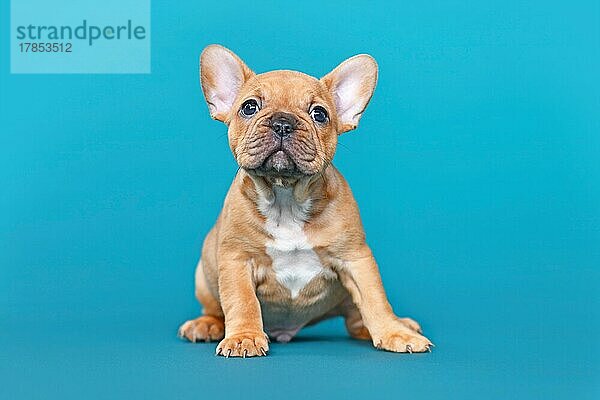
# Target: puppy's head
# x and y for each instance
(285, 123)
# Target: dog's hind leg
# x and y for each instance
(353, 320)
(210, 326)
(355, 325)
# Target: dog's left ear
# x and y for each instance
(352, 84)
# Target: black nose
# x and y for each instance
(283, 124)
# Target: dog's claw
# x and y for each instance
(378, 345)
(264, 353)
(408, 348)
(219, 351)
(428, 348)
(228, 353)
(245, 353)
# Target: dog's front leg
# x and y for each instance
(244, 335)
(361, 277)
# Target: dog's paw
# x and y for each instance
(403, 341)
(205, 328)
(244, 345)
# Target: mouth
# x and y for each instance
(279, 163)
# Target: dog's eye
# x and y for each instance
(319, 114)
(249, 108)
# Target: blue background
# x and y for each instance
(476, 167)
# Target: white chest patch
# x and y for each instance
(294, 261)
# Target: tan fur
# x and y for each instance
(235, 279)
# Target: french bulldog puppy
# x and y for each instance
(288, 248)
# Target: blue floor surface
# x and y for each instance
(521, 341)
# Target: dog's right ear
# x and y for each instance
(222, 75)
